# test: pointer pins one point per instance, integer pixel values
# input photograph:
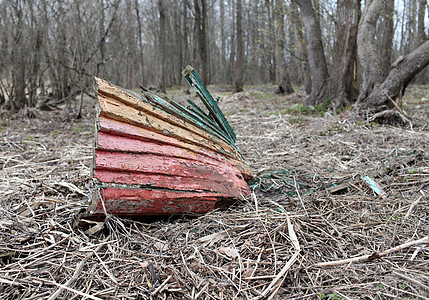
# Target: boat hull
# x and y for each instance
(150, 162)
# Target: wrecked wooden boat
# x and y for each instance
(155, 157)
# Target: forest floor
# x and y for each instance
(309, 206)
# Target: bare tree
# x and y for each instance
(200, 8)
(162, 49)
(270, 43)
(285, 86)
(421, 21)
(50, 49)
(238, 82)
(368, 53)
(341, 90)
(387, 37)
(389, 92)
(316, 57)
(19, 98)
(302, 52)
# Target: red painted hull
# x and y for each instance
(148, 162)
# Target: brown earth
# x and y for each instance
(309, 206)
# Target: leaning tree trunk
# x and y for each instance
(403, 70)
(316, 57)
(369, 56)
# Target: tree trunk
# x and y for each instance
(285, 86)
(422, 37)
(231, 65)
(368, 53)
(140, 41)
(222, 40)
(238, 82)
(270, 41)
(341, 89)
(162, 50)
(19, 69)
(387, 40)
(316, 56)
(301, 40)
(421, 22)
(200, 7)
(403, 70)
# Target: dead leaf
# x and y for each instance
(229, 251)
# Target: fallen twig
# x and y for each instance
(375, 255)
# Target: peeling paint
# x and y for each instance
(163, 159)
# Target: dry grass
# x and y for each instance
(308, 182)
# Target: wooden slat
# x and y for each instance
(126, 201)
(230, 188)
(116, 127)
(194, 80)
(155, 164)
(161, 118)
(128, 114)
(180, 111)
(112, 142)
(114, 109)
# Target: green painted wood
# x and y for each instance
(194, 80)
(174, 108)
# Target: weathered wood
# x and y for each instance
(111, 142)
(156, 164)
(156, 120)
(155, 157)
(134, 202)
(192, 77)
(223, 188)
(108, 125)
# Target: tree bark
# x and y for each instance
(19, 66)
(341, 89)
(369, 56)
(316, 56)
(140, 42)
(285, 86)
(200, 7)
(403, 70)
(162, 50)
(421, 22)
(223, 40)
(270, 43)
(301, 40)
(387, 40)
(238, 82)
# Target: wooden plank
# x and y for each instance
(115, 95)
(230, 188)
(112, 142)
(114, 109)
(127, 201)
(108, 125)
(154, 164)
(194, 80)
(180, 111)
